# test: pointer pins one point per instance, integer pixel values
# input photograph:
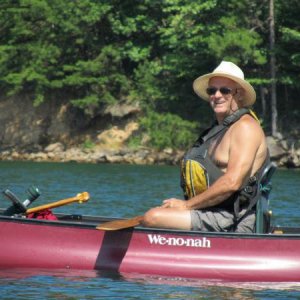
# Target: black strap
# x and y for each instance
(213, 132)
(216, 129)
(235, 116)
(255, 187)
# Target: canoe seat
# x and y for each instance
(263, 213)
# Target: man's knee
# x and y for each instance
(152, 217)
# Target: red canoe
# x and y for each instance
(73, 242)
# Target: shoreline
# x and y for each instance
(141, 156)
(284, 158)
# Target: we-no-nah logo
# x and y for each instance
(177, 241)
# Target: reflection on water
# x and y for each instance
(37, 284)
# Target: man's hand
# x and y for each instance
(174, 203)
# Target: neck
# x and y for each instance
(220, 117)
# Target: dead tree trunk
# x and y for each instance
(274, 114)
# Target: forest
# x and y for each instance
(96, 53)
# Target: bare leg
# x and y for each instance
(172, 218)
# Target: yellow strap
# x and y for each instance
(253, 114)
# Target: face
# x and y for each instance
(224, 95)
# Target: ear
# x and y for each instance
(240, 93)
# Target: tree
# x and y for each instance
(273, 69)
(96, 53)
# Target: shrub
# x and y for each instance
(168, 130)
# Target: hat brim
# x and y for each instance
(201, 83)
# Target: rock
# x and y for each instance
(276, 151)
(284, 144)
(168, 151)
(114, 158)
(39, 156)
(74, 154)
(51, 156)
(122, 110)
(56, 147)
(293, 161)
(15, 155)
(115, 137)
(278, 136)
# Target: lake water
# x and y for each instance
(126, 191)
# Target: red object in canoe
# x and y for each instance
(73, 242)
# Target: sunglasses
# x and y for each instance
(224, 90)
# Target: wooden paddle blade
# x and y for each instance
(120, 224)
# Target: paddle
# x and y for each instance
(120, 224)
(82, 197)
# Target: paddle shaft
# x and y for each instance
(121, 224)
(77, 198)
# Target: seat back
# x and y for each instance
(263, 214)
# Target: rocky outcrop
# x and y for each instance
(115, 137)
(284, 152)
(24, 127)
(56, 131)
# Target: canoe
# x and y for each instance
(73, 242)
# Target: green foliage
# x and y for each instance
(88, 144)
(236, 44)
(134, 142)
(167, 130)
(288, 49)
(147, 51)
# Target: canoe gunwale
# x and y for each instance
(90, 222)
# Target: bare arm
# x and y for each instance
(245, 139)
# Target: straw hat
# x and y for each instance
(229, 70)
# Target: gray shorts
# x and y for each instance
(221, 220)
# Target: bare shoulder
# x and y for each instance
(248, 126)
(248, 134)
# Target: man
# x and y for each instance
(221, 173)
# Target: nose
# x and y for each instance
(218, 94)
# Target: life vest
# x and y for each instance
(198, 170)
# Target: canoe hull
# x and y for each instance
(207, 256)
(226, 258)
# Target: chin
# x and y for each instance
(220, 110)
